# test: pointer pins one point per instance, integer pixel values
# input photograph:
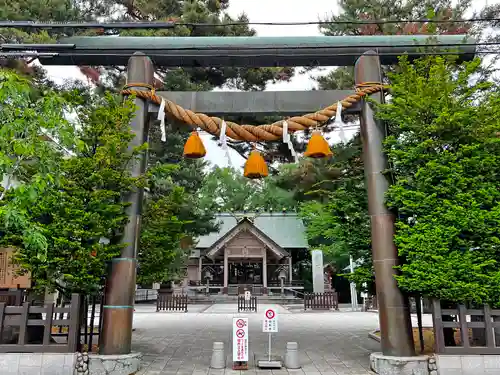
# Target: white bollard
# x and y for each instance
(218, 356)
(292, 355)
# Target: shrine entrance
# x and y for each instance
(245, 272)
(366, 53)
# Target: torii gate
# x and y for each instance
(366, 53)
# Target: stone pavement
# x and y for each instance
(330, 343)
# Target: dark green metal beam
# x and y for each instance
(252, 51)
(285, 103)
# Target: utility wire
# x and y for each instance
(344, 22)
(172, 24)
(87, 25)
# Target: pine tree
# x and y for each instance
(390, 10)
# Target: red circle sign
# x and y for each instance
(240, 323)
(240, 333)
(270, 314)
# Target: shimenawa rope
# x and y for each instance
(253, 133)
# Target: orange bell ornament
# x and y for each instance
(194, 148)
(255, 166)
(318, 147)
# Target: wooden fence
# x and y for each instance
(455, 333)
(171, 302)
(321, 301)
(146, 295)
(247, 305)
(89, 318)
(23, 329)
(13, 297)
(91, 322)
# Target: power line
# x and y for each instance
(87, 25)
(343, 22)
(173, 24)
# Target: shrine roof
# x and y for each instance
(285, 229)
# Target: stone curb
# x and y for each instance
(373, 335)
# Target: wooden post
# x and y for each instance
(74, 328)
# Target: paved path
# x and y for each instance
(331, 343)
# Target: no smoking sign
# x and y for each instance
(270, 322)
(240, 339)
(270, 314)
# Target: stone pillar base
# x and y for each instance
(387, 365)
(123, 364)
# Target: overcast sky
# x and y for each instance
(265, 11)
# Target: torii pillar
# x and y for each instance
(394, 314)
(118, 309)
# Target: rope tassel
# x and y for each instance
(255, 166)
(318, 146)
(194, 148)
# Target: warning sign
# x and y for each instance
(240, 339)
(270, 323)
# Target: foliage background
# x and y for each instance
(444, 150)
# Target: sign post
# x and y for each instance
(270, 325)
(240, 343)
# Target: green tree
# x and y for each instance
(173, 218)
(29, 164)
(445, 151)
(390, 10)
(81, 216)
(329, 219)
(226, 190)
(161, 257)
(337, 220)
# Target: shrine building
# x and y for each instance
(251, 251)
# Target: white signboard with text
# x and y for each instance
(270, 323)
(240, 339)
